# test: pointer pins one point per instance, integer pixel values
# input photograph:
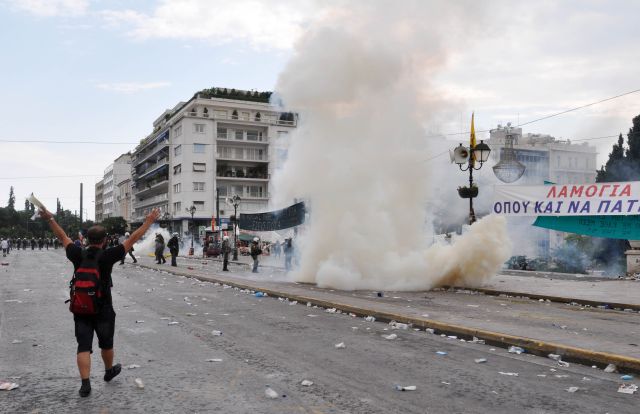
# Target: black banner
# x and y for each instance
(274, 220)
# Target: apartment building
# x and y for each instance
(116, 173)
(98, 200)
(229, 141)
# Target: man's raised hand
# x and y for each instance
(153, 215)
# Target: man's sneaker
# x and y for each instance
(113, 372)
(85, 389)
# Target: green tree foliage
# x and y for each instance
(623, 163)
(115, 225)
(12, 199)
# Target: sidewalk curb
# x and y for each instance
(532, 346)
(560, 299)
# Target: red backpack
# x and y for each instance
(86, 286)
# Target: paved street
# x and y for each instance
(264, 341)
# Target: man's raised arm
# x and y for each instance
(136, 235)
(55, 228)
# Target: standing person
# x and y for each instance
(33, 243)
(103, 322)
(126, 236)
(4, 245)
(174, 247)
(160, 249)
(288, 254)
(255, 253)
(46, 243)
(40, 243)
(226, 249)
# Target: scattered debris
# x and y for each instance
(306, 383)
(259, 295)
(391, 336)
(572, 389)
(331, 310)
(8, 386)
(216, 333)
(173, 323)
(312, 316)
(480, 360)
(214, 360)
(516, 350)
(510, 374)
(191, 314)
(16, 341)
(626, 377)
(340, 345)
(452, 337)
(141, 321)
(563, 364)
(133, 366)
(396, 325)
(270, 393)
(611, 368)
(406, 388)
(164, 318)
(441, 353)
(139, 383)
(370, 319)
(380, 294)
(430, 330)
(555, 357)
(628, 388)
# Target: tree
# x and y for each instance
(26, 205)
(115, 225)
(12, 199)
(623, 164)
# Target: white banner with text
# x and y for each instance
(568, 200)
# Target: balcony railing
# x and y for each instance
(264, 119)
(151, 200)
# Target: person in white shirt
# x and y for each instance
(4, 244)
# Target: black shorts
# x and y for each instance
(103, 324)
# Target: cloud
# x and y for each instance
(264, 25)
(51, 8)
(131, 87)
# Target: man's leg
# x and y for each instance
(173, 259)
(132, 256)
(84, 364)
(105, 329)
(107, 358)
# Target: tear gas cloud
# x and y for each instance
(359, 79)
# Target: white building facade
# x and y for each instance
(231, 144)
(98, 200)
(114, 174)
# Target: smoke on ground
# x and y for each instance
(359, 80)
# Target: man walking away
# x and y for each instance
(255, 253)
(174, 247)
(4, 244)
(102, 321)
(126, 236)
(160, 249)
(226, 249)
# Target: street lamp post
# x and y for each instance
(235, 202)
(192, 211)
(468, 157)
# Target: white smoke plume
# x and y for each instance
(359, 80)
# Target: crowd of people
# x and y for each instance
(25, 243)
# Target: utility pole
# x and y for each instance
(218, 213)
(80, 205)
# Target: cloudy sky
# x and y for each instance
(100, 70)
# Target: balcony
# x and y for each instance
(149, 201)
(153, 168)
(155, 186)
(245, 140)
(143, 157)
(263, 120)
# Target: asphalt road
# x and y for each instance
(264, 341)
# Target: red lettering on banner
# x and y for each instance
(552, 192)
(591, 187)
(576, 191)
(615, 188)
(626, 191)
(563, 192)
(604, 186)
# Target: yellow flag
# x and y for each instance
(472, 138)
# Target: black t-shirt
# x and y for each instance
(105, 264)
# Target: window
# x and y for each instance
(255, 154)
(254, 136)
(177, 131)
(199, 205)
(177, 169)
(245, 116)
(199, 167)
(177, 150)
(239, 135)
(198, 186)
(198, 148)
(198, 128)
(234, 114)
(224, 152)
(177, 188)
(239, 154)
(222, 133)
(220, 114)
(222, 190)
(177, 207)
(254, 191)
